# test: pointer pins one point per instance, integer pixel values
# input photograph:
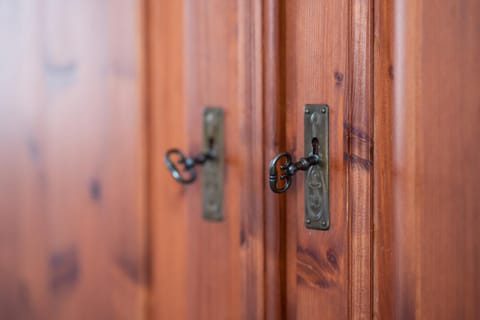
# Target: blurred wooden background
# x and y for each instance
(72, 169)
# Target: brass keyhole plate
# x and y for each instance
(317, 215)
(212, 179)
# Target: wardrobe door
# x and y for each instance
(328, 60)
(262, 62)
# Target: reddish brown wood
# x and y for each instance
(328, 60)
(214, 57)
(72, 212)
(274, 141)
(359, 146)
(383, 265)
(168, 216)
(76, 181)
(251, 191)
(211, 57)
(317, 262)
(428, 190)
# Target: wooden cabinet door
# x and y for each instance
(262, 61)
(207, 53)
(400, 80)
(327, 59)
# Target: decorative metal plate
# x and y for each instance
(317, 214)
(212, 182)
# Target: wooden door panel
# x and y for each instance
(262, 61)
(211, 78)
(207, 54)
(327, 60)
(317, 261)
(71, 176)
(427, 249)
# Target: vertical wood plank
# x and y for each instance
(251, 121)
(383, 262)
(433, 177)
(274, 140)
(328, 60)
(211, 55)
(166, 104)
(207, 53)
(359, 146)
(72, 211)
(316, 66)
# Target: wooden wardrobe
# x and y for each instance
(93, 93)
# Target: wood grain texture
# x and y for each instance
(359, 157)
(72, 211)
(317, 262)
(207, 53)
(250, 125)
(328, 60)
(383, 262)
(433, 179)
(168, 216)
(274, 141)
(211, 55)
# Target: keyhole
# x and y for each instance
(315, 145)
(211, 143)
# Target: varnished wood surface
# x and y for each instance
(219, 252)
(274, 141)
(383, 262)
(251, 66)
(252, 115)
(359, 146)
(168, 232)
(71, 160)
(76, 181)
(211, 57)
(328, 60)
(317, 262)
(207, 53)
(433, 179)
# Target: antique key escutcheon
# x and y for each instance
(315, 165)
(182, 168)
